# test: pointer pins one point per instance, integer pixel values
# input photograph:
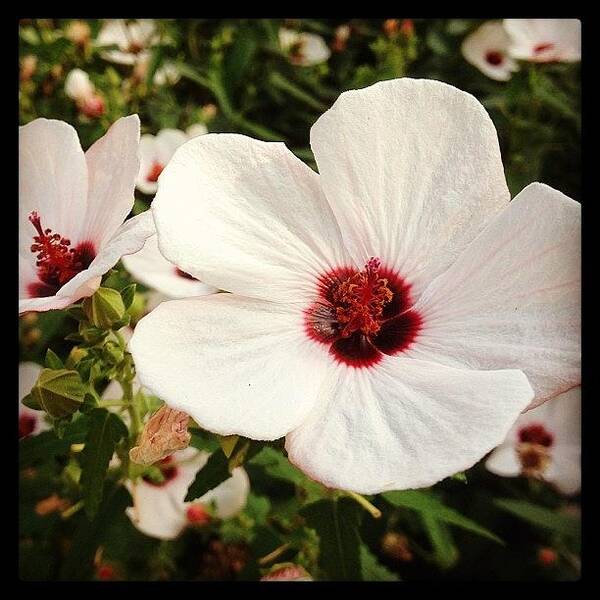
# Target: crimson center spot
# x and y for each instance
(363, 315)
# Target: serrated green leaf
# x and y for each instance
(567, 525)
(52, 361)
(427, 504)
(336, 523)
(372, 569)
(106, 430)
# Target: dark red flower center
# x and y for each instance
(154, 173)
(542, 48)
(493, 57)
(57, 263)
(184, 274)
(26, 425)
(168, 470)
(536, 433)
(362, 315)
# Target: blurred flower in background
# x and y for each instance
(133, 39)
(304, 49)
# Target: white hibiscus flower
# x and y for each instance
(487, 49)
(78, 87)
(305, 49)
(545, 443)
(71, 210)
(31, 422)
(133, 40)
(544, 40)
(159, 509)
(156, 151)
(391, 316)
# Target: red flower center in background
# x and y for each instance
(197, 514)
(57, 263)
(184, 274)
(362, 315)
(536, 433)
(542, 48)
(155, 170)
(26, 425)
(493, 57)
(167, 468)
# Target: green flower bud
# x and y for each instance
(59, 392)
(104, 308)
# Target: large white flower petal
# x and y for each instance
(113, 164)
(405, 424)
(512, 299)
(236, 365)
(52, 181)
(151, 268)
(565, 470)
(487, 49)
(247, 217)
(545, 40)
(129, 238)
(413, 172)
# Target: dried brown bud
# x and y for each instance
(396, 546)
(165, 433)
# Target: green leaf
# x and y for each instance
(444, 549)
(128, 294)
(429, 505)
(218, 468)
(52, 361)
(372, 569)
(564, 524)
(30, 402)
(239, 57)
(59, 392)
(336, 523)
(90, 534)
(106, 430)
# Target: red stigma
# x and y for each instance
(362, 315)
(57, 263)
(154, 173)
(494, 58)
(536, 434)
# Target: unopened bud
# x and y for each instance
(196, 514)
(209, 111)
(59, 392)
(50, 505)
(165, 433)
(28, 67)
(105, 308)
(407, 28)
(287, 572)
(93, 106)
(396, 546)
(79, 32)
(547, 557)
(391, 27)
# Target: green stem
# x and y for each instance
(372, 510)
(69, 512)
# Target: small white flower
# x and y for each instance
(159, 509)
(31, 422)
(391, 315)
(78, 85)
(133, 39)
(546, 443)
(487, 49)
(168, 74)
(156, 151)
(152, 269)
(71, 210)
(544, 40)
(305, 49)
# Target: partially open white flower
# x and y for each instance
(159, 509)
(168, 74)
(156, 151)
(151, 268)
(133, 39)
(31, 422)
(391, 315)
(544, 40)
(487, 49)
(545, 443)
(305, 49)
(71, 210)
(78, 85)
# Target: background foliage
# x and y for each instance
(236, 78)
